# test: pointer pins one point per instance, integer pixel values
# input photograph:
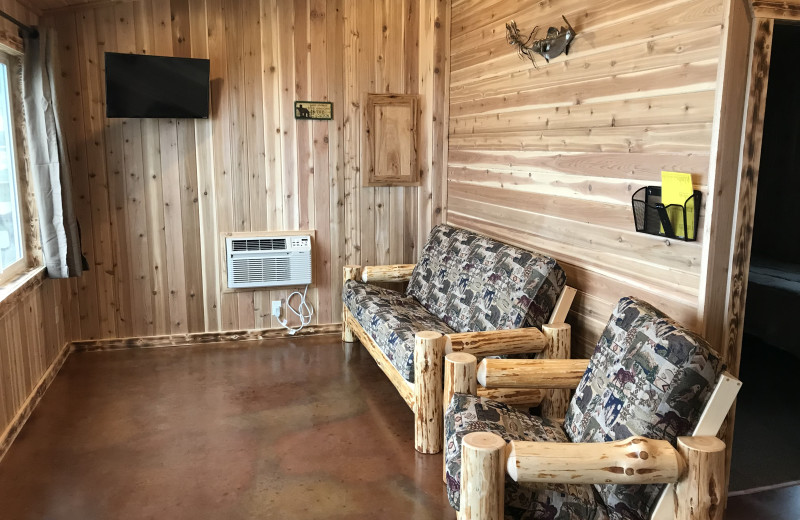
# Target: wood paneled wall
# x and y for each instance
(36, 323)
(36, 320)
(154, 196)
(19, 11)
(550, 158)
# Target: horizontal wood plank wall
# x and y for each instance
(549, 158)
(33, 332)
(154, 196)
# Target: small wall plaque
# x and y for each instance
(313, 110)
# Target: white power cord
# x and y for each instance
(304, 311)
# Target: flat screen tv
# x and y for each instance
(156, 86)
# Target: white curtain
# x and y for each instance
(48, 158)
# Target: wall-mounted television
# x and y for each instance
(156, 86)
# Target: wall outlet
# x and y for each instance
(276, 308)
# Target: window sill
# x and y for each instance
(13, 290)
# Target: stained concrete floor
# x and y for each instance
(774, 504)
(290, 429)
(299, 429)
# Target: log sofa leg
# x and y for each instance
(555, 402)
(428, 354)
(351, 272)
(702, 491)
(483, 470)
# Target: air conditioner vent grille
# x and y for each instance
(258, 244)
(249, 270)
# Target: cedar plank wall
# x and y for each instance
(549, 158)
(153, 196)
(35, 326)
(35, 323)
(20, 12)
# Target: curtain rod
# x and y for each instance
(31, 31)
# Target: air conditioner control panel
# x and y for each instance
(300, 242)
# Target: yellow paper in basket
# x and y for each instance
(676, 188)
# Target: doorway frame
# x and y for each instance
(765, 15)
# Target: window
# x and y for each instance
(12, 250)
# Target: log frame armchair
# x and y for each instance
(693, 470)
(425, 395)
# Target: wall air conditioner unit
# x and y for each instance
(268, 261)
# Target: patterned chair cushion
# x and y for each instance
(391, 319)
(467, 413)
(648, 376)
(474, 283)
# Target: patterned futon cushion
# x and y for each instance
(391, 319)
(474, 283)
(648, 376)
(467, 414)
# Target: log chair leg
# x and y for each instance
(555, 402)
(351, 272)
(428, 353)
(701, 493)
(483, 470)
(460, 377)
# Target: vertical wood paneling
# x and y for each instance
(549, 158)
(154, 196)
(40, 318)
(189, 181)
(270, 83)
(96, 172)
(382, 74)
(335, 46)
(723, 182)
(73, 120)
(34, 330)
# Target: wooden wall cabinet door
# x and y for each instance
(390, 140)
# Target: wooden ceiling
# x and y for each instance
(45, 5)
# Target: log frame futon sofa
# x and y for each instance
(513, 336)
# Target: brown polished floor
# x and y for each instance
(288, 429)
(299, 429)
(775, 504)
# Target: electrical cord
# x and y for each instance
(304, 311)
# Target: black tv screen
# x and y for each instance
(156, 86)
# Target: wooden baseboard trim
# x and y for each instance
(13, 429)
(200, 338)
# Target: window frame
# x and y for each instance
(19, 267)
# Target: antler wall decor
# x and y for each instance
(557, 41)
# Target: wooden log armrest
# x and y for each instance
(696, 468)
(524, 397)
(635, 460)
(387, 273)
(496, 342)
(531, 373)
